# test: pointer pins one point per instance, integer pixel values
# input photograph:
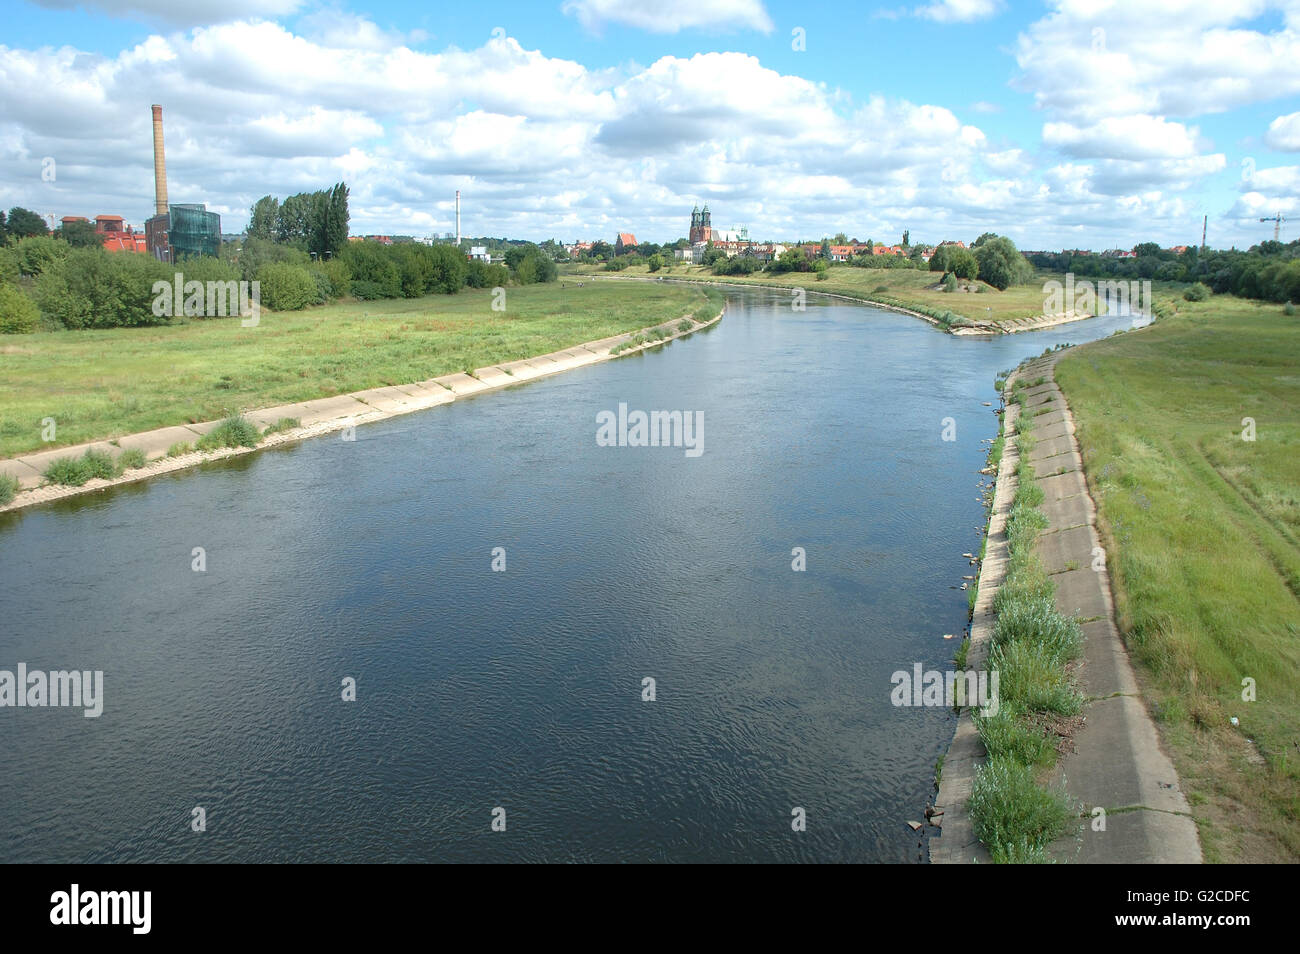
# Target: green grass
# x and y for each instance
(1202, 529)
(234, 431)
(180, 449)
(75, 471)
(131, 459)
(1013, 816)
(106, 383)
(8, 488)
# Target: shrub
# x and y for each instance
(286, 287)
(1289, 309)
(283, 424)
(1197, 292)
(75, 471)
(18, 313)
(234, 431)
(8, 488)
(1004, 735)
(1038, 621)
(179, 449)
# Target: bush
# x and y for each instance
(333, 278)
(131, 459)
(480, 274)
(286, 287)
(8, 488)
(18, 313)
(234, 431)
(75, 471)
(90, 288)
(369, 291)
(1197, 292)
(37, 254)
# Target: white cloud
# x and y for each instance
(1284, 133)
(1093, 58)
(1123, 137)
(672, 16)
(960, 11)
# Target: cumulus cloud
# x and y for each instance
(1284, 133)
(960, 11)
(1087, 60)
(543, 146)
(672, 16)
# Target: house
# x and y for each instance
(841, 253)
(625, 242)
(479, 253)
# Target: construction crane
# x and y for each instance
(1277, 221)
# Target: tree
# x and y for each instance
(1001, 264)
(263, 218)
(906, 238)
(24, 222)
(963, 263)
(987, 236)
(840, 239)
(78, 234)
(826, 248)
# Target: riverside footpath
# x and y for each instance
(1113, 761)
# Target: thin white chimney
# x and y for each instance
(457, 218)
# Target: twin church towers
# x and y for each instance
(701, 225)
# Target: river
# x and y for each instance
(523, 689)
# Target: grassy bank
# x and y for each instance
(1203, 532)
(107, 383)
(905, 288)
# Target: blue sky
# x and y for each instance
(1095, 124)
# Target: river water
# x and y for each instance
(523, 689)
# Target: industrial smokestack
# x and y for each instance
(458, 218)
(159, 165)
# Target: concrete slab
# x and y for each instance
(155, 444)
(391, 399)
(460, 383)
(1132, 838)
(520, 370)
(325, 409)
(1063, 550)
(1069, 484)
(1056, 464)
(1079, 593)
(1048, 388)
(1046, 432)
(493, 377)
(1124, 764)
(27, 475)
(548, 365)
(429, 394)
(1065, 512)
(580, 355)
(270, 415)
(203, 427)
(1051, 447)
(1054, 417)
(1106, 668)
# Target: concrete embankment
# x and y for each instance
(1113, 760)
(326, 415)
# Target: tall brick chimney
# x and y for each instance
(159, 165)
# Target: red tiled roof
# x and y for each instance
(627, 238)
